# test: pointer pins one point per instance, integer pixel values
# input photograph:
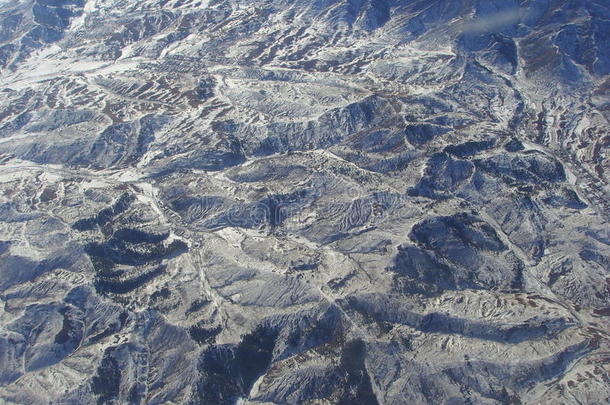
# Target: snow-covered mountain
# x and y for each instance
(304, 202)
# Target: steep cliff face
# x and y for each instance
(304, 202)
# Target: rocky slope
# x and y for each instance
(304, 202)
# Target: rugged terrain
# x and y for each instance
(304, 202)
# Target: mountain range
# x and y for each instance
(355, 202)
